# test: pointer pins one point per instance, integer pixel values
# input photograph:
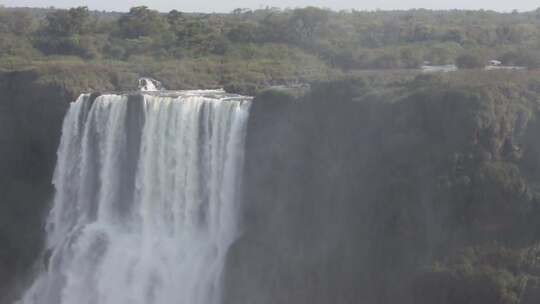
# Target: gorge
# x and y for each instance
(417, 190)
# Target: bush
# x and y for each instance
(84, 46)
(68, 22)
(17, 22)
(141, 22)
(481, 275)
(526, 58)
(470, 61)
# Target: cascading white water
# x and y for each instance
(146, 199)
(149, 85)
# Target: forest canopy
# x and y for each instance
(267, 46)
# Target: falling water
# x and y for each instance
(146, 199)
(149, 85)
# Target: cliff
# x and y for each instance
(371, 190)
(423, 191)
(32, 106)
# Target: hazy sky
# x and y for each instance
(228, 5)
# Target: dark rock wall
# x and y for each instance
(424, 193)
(32, 107)
(352, 200)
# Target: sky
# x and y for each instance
(228, 5)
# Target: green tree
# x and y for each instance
(421, 32)
(522, 57)
(470, 61)
(455, 35)
(305, 22)
(411, 58)
(141, 22)
(274, 27)
(244, 32)
(16, 22)
(175, 19)
(509, 34)
(68, 22)
(386, 61)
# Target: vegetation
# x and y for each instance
(421, 189)
(447, 192)
(470, 61)
(258, 48)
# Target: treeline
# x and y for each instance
(310, 41)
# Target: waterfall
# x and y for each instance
(146, 199)
(149, 85)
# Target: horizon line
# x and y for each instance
(372, 10)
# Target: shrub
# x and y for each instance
(470, 61)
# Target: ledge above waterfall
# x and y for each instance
(151, 87)
(181, 95)
(213, 93)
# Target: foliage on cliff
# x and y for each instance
(415, 191)
(397, 176)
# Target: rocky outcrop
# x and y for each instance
(353, 192)
(32, 106)
(350, 195)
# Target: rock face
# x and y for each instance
(352, 200)
(32, 107)
(424, 192)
